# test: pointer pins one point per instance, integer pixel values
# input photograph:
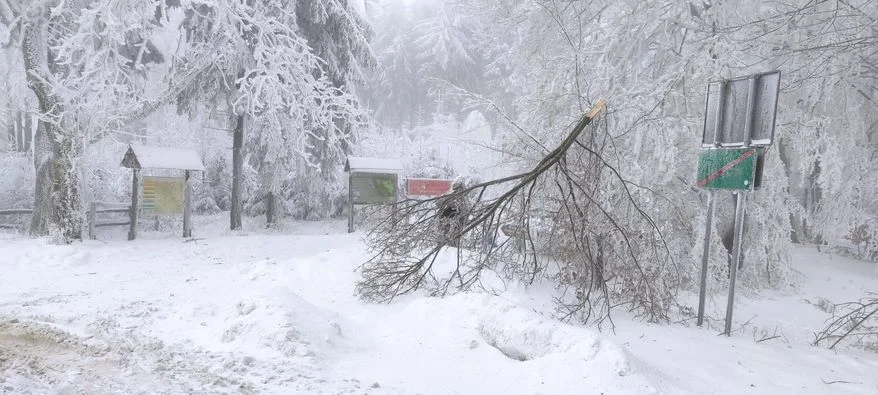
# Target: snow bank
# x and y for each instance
(269, 313)
(470, 343)
(284, 322)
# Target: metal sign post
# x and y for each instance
(705, 256)
(737, 247)
(741, 200)
(711, 199)
(740, 114)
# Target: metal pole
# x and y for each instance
(741, 200)
(748, 129)
(736, 256)
(711, 202)
(705, 256)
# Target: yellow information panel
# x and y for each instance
(162, 195)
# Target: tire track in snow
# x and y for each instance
(38, 357)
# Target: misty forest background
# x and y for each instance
(474, 88)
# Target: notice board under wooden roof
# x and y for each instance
(146, 157)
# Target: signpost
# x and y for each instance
(739, 125)
(371, 181)
(161, 195)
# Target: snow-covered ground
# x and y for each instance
(276, 313)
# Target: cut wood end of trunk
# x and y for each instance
(600, 106)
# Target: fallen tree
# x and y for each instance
(572, 218)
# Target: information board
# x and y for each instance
(162, 195)
(374, 188)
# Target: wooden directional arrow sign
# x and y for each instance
(729, 169)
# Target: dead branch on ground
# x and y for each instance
(856, 322)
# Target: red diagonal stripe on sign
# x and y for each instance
(726, 168)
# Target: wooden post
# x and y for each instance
(395, 206)
(135, 203)
(351, 202)
(187, 205)
(237, 173)
(92, 216)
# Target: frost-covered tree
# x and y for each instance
(828, 124)
(825, 125)
(339, 36)
(422, 48)
(652, 60)
(445, 46)
(270, 74)
(395, 89)
(86, 63)
(561, 59)
(17, 107)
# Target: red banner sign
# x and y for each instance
(427, 187)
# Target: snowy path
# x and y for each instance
(277, 314)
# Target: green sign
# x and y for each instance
(731, 169)
(374, 188)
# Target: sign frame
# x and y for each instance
(389, 169)
(740, 113)
(734, 103)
